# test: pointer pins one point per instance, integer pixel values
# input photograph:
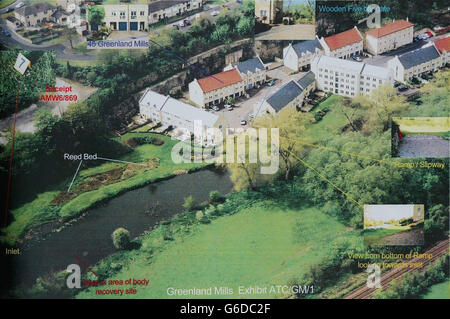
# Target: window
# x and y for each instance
(113, 13)
(142, 13)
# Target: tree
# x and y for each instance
(291, 125)
(69, 34)
(121, 238)
(189, 203)
(96, 15)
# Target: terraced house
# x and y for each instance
(36, 14)
(171, 112)
(344, 44)
(348, 78)
(216, 88)
(389, 37)
(415, 63)
(298, 56)
(443, 46)
(252, 71)
(134, 17)
(292, 94)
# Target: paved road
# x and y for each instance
(289, 32)
(424, 146)
(25, 118)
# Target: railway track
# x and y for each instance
(364, 292)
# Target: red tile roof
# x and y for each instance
(343, 39)
(219, 80)
(443, 44)
(390, 28)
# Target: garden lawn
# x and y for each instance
(261, 245)
(331, 123)
(41, 210)
(439, 291)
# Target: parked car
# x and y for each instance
(229, 107)
(6, 33)
(402, 88)
(243, 122)
(19, 5)
(356, 58)
(9, 9)
(214, 13)
(187, 22)
(181, 23)
(270, 83)
(214, 107)
(251, 116)
(176, 26)
(397, 84)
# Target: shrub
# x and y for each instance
(215, 197)
(189, 203)
(121, 238)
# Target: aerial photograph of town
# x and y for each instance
(224, 155)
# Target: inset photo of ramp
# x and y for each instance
(421, 137)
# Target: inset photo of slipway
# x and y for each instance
(421, 137)
(393, 225)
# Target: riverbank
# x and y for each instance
(94, 186)
(248, 241)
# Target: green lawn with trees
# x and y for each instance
(96, 183)
(259, 245)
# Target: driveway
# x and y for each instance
(25, 118)
(424, 146)
(245, 106)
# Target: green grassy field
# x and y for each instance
(261, 245)
(42, 210)
(5, 3)
(331, 123)
(439, 291)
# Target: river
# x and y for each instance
(89, 239)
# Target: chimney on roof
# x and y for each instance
(407, 19)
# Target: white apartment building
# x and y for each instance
(348, 78)
(180, 116)
(298, 56)
(389, 37)
(126, 17)
(252, 71)
(344, 44)
(160, 10)
(216, 88)
(414, 63)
